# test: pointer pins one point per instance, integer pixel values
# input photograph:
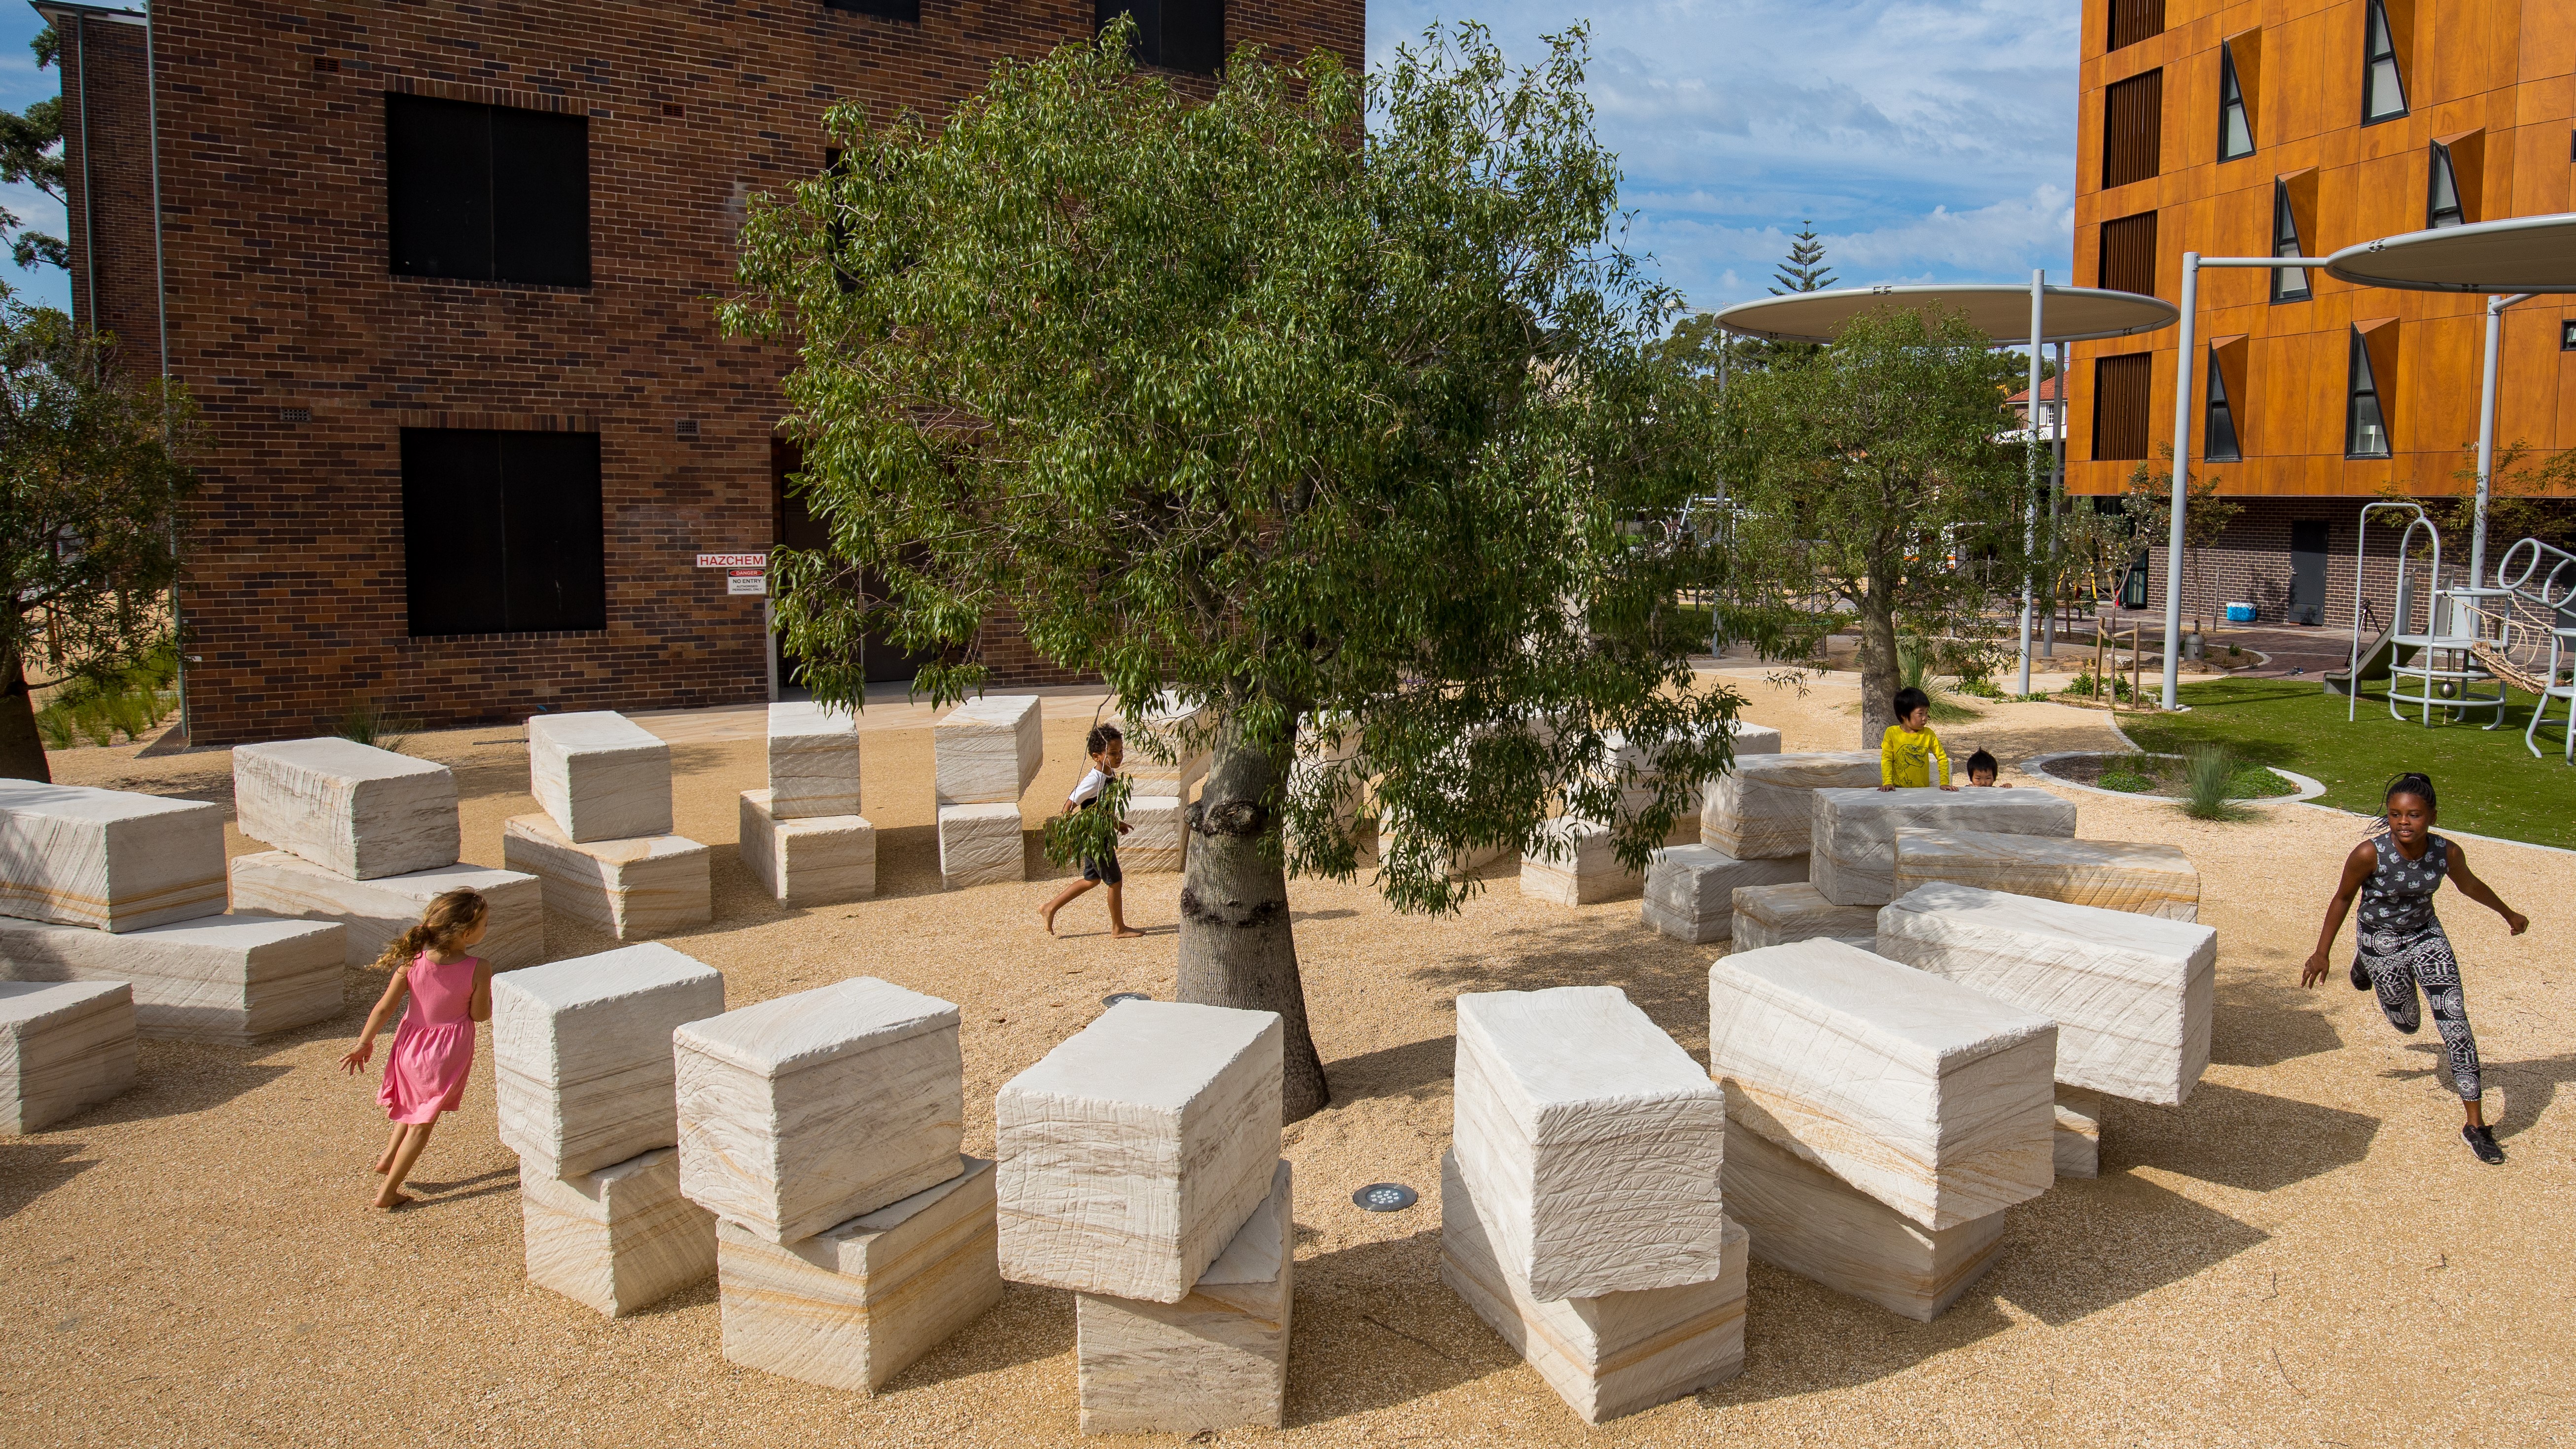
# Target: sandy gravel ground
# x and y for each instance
(2304, 1254)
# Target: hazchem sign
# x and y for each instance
(733, 560)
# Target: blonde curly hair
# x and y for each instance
(449, 919)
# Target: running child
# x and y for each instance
(2399, 942)
(433, 1049)
(1982, 771)
(1108, 750)
(1909, 751)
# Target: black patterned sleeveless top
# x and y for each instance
(2397, 896)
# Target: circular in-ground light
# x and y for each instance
(1385, 1197)
(1115, 997)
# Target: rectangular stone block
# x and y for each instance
(1853, 856)
(1761, 809)
(348, 807)
(1605, 1356)
(618, 1239)
(216, 978)
(64, 1045)
(987, 751)
(374, 912)
(811, 1109)
(1817, 1226)
(813, 760)
(980, 845)
(1591, 1140)
(581, 1055)
(2132, 995)
(811, 860)
(1585, 869)
(650, 885)
(1218, 1359)
(1932, 1098)
(1159, 839)
(1176, 730)
(1781, 915)
(1690, 889)
(856, 1304)
(2079, 1132)
(600, 775)
(2116, 875)
(1132, 1152)
(111, 859)
(1466, 860)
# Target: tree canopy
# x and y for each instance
(31, 153)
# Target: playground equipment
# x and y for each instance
(2530, 638)
(2519, 630)
(2438, 668)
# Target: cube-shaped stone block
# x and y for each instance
(618, 1239)
(1157, 841)
(1576, 863)
(1805, 1219)
(1690, 889)
(1167, 727)
(1592, 1142)
(64, 1045)
(1465, 860)
(600, 775)
(1781, 915)
(374, 912)
(811, 1109)
(2116, 875)
(1132, 1152)
(986, 751)
(581, 1055)
(2132, 995)
(216, 978)
(348, 807)
(1761, 809)
(1930, 1097)
(650, 885)
(854, 1305)
(980, 845)
(812, 860)
(813, 760)
(107, 858)
(1605, 1356)
(1218, 1359)
(2079, 1132)
(1853, 859)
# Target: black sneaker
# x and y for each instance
(2482, 1141)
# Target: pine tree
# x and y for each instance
(1805, 269)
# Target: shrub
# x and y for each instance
(367, 724)
(2208, 772)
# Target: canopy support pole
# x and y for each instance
(2486, 435)
(2030, 467)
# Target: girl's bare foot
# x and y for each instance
(383, 1165)
(1125, 933)
(1046, 917)
(398, 1200)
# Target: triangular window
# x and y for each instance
(2383, 90)
(2365, 428)
(2235, 127)
(2218, 438)
(2289, 284)
(2442, 193)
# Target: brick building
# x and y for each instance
(439, 276)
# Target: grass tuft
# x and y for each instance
(2209, 772)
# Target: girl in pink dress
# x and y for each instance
(434, 1047)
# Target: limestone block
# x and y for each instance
(1928, 1096)
(2079, 1132)
(986, 751)
(649, 885)
(1592, 1142)
(1465, 860)
(1779, 915)
(1218, 1359)
(980, 845)
(216, 978)
(1817, 1226)
(811, 1109)
(64, 1045)
(1761, 809)
(1853, 859)
(1609, 1355)
(1159, 839)
(618, 1239)
(353, 808)
(1132, 1152)
(813, 760)
(581, 1055)
(600, 775)
(376, 911)
(810, 860)
(107, 858)
(854, 1305)
(1629, 762)
(1690, 889)
(2132, 995)
(2117, 875)
(1169, 725)
(1585, 869)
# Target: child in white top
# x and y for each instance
(1108, 749)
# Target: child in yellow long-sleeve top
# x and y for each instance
(1909, 751)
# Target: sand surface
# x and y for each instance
(2303, 1254)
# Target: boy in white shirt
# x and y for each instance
(1108, 749)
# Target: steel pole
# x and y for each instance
(2056, 495)
(2181, 480)
(2030, 466)
(2486, 435)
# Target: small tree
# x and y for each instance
(31, 154)
(1804, 269)
(89, 522)
(1349, 433)
(2149, 499)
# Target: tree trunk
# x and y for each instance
(1877, 663)
(1237, 947)
(22, 750)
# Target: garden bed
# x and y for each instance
(2163, 775)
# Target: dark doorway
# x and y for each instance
(796, 527)
(2308, 571)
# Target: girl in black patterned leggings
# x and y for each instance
(2401, 945)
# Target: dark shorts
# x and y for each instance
(1104, 870)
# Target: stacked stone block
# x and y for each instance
(1852, 855)
(1794, 911)
(110, 860)
(1576, 863)
(1167, 727)
(2117, 875)
(603, 844)
(371, 913)
(1158, 835)
(803, 837)
(64, 1045)
(1763, 808)
(985, 755)
(1628, 764)
(1690, 889)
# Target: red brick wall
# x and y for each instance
(273, 179)
(2250, 561)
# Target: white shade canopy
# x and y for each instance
(2520, 254)
(2000, 309)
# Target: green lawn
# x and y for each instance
(2489, 783)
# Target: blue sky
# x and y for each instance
(1929, 140)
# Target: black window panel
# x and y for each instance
(1175, 34)
(2218, 433)
(2135, 20)
(2289, 284)
(2133, 123)
(2128, 257)
(2442, 191)
(2383, 87)
(502, 532)
(540, 198)
(551, 514)
(882, 9)
(486, 193)
(2122, 387)
(2235, 122)
(2365, 423)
